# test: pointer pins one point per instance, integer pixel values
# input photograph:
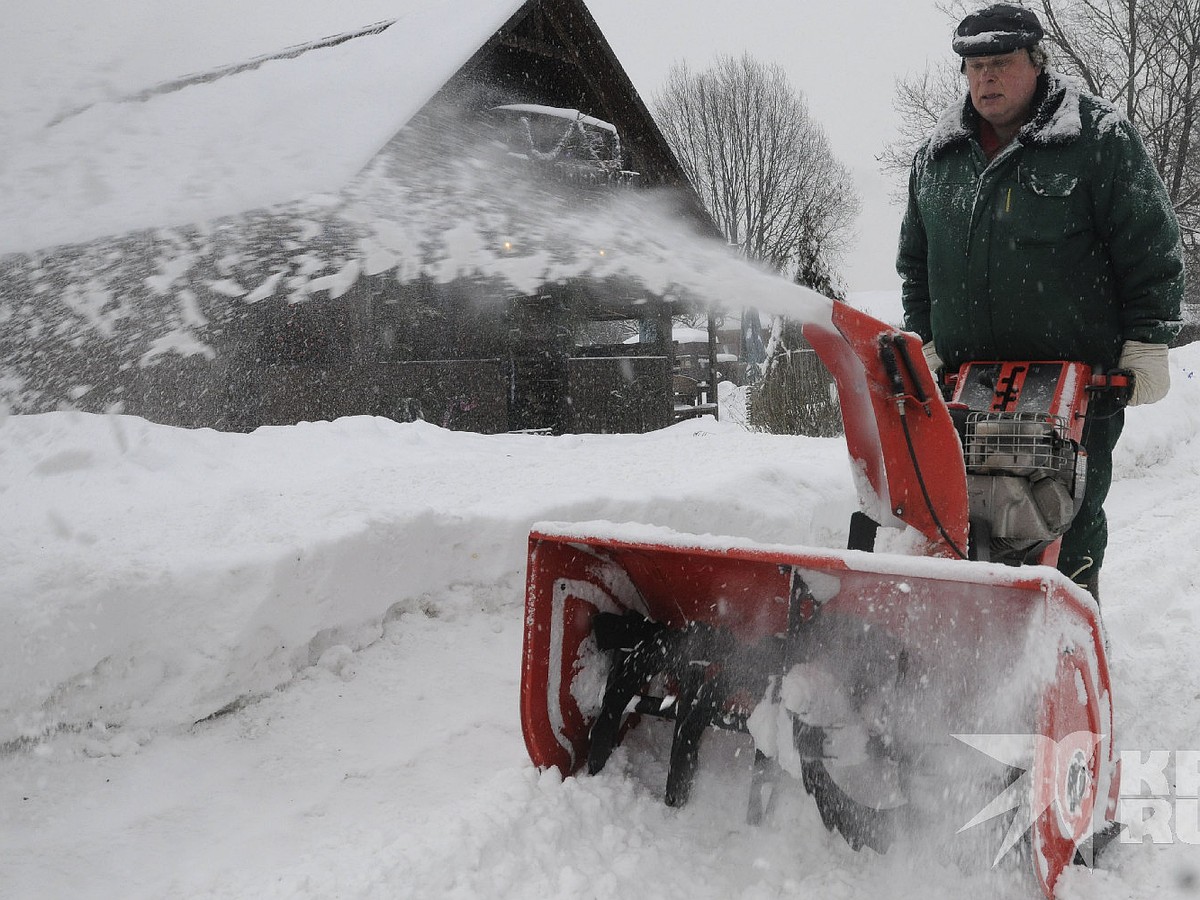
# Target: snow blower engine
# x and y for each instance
(1026, 470)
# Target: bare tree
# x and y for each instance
(762, 166)
(920, 101)
(765, 173)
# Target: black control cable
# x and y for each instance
(888, 345)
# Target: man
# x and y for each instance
(1038, 228)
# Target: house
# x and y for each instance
(281, 239)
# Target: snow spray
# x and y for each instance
(443, 202)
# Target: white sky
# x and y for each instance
(843, 55)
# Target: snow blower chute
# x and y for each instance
(867, 675)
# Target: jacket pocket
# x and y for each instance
(1047, 210)
(1056, 184)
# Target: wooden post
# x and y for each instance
(713, 396)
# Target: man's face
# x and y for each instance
(1002, 87)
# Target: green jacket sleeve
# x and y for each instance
(1134, 216)
(912, 263)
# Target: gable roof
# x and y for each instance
(275, 129)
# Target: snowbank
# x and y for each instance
(159, 574)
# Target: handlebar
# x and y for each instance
(1116, 380)
(1117, 384)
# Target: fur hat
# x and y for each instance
(999, 28)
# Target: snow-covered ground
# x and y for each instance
(286, 663)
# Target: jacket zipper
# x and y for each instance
(1007, 151)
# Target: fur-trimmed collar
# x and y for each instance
(1055, 121)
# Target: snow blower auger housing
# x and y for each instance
(860, 673)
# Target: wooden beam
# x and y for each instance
(536, 47)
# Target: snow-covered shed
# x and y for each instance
(279, 239)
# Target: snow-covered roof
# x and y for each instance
(282, 130)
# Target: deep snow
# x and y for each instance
(286, 663)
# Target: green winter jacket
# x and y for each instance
(1063, 247)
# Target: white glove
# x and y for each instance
(931, 358)
(1151, 373)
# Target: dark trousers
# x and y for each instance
(1083, 545)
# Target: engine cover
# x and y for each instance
(1018, 509)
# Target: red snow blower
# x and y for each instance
(867, 675)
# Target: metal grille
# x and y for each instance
(1025, 444)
